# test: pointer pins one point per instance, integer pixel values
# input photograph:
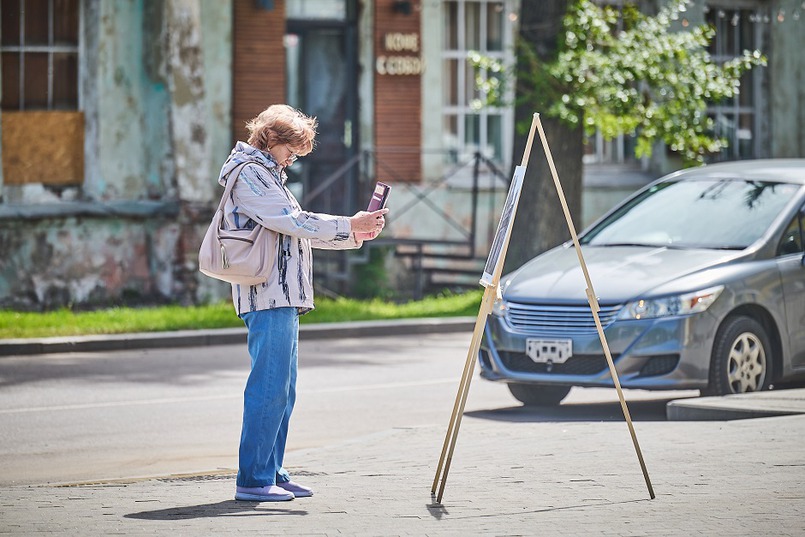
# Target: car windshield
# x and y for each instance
(705, 213)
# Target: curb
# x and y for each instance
(738, 406)
(229, 336)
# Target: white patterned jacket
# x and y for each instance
(260, 197)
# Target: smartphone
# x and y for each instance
(379, 197)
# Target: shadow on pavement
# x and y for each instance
(650, 410)
(436, 510)
(584, 506)
(231, 508)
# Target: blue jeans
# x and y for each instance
(269, 396)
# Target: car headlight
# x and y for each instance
(669, 306)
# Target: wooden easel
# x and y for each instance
(490, 294)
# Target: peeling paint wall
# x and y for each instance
(85, 261)
(155, 90)
(123, 93)
(186, 87)
(216, 41)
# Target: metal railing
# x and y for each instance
(427, 256)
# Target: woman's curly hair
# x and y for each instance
(283, 124)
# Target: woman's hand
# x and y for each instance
(361, 237)
(366, 223)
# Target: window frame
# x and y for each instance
(51, 49)
(458, 148)
(755, 13)
(619, 149)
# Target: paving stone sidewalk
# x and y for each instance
(508, 477)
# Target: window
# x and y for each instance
(486, 27)
(794, 235)
(40, 54)
(620, 149)
(720, 213)
(316, 9)
(736, 119)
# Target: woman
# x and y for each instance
(277, 137)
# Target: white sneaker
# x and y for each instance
(270, 493)
(300, 491)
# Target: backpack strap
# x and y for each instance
(230, 182)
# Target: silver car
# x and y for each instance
(700, 277)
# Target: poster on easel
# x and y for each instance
(504, 227)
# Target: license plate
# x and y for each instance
(555, 351)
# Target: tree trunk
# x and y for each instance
(540, 223)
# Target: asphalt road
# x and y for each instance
(84, 417)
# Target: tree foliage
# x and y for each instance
(540, 223)
(625, 72)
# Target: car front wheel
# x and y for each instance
(537, 394)
(741, 360)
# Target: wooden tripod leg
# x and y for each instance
(463, 390)
(614, 374)
(591, 298)
(472, 356)
(455, 437)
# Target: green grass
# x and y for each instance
(158, 319)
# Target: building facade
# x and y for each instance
(117, 115)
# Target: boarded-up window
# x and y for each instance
(39, 57)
